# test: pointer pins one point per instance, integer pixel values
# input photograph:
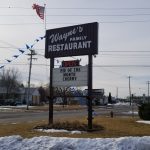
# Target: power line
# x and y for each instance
(100, 51)
(125, 21)
(15, 24)
(70, 23)
(78, 15)
(124, 54)
(119, 66)
(134, 8)
(11, 7)
(4, 42)
(86, 8)
(124, 51)
(96, 66)
(119, 74)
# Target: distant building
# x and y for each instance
(98, 97)
(21, 95)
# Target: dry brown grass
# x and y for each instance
(111, 127)
(117, 127)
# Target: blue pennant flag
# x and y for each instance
(8, 60)
(16, 56)
(32, 45)
(42, 38)
(1, 67)
(37, 40)
(21, 51)
(27, 46)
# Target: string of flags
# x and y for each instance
(21, 52)
(40, 10)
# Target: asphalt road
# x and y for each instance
(15, 117)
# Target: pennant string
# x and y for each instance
(27, 46)
(8, 60)
(1, 67)
(16, 56)
(22, 51)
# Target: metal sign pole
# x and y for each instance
(51, 92)
(90, 72)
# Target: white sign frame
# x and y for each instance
(70, 76)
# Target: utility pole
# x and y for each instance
(129, 89)
(31, 58)
(148, 82)
(116, 93)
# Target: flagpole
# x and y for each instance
(45, 17)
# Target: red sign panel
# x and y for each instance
(71, 63)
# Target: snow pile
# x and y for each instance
(130, 112)
(122, 104)
(4, 108)
(52, 143)
(143, 121)
(12, 107)
(59, 131)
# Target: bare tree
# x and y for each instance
(42, 94)
(109, 98)
(9, 79)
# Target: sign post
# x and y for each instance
(90, 73)
(51, 92)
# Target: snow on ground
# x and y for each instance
(130, 112)
(122, 103)
(54, 130)
(53, 143)
(4, 108)
(13, 108)
(143, 121)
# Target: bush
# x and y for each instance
(70, 126)
(144, 111)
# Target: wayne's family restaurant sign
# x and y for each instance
(70, 76)
(72, 41)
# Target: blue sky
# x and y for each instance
(124, 38)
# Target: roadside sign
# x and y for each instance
(70, 76)
(72, 41)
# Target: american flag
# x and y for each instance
(39, 10)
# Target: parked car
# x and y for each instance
(18, 103)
